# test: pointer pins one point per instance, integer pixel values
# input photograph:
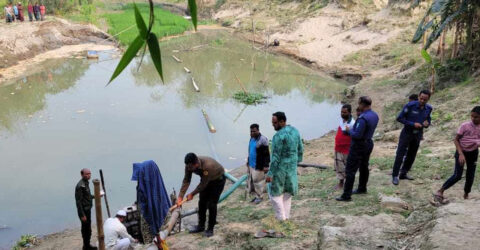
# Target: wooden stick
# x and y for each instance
(105, 193)
(176, 59)
(195, 85)
(98, 213)
(186, 70)
(176, 206)
(210, 126)
(241, 84)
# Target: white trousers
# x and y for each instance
(123, 244)
(281, 204)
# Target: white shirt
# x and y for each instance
(114, 230)
(343, 124)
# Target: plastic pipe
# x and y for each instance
(232, 188)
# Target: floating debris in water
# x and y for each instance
(13, 93)
(232, 158)
(249, 98)
(81, 111)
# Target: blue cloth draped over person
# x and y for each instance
(152, 196)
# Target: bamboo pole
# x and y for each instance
(176, 59)
(98, 214)
(241, 84)
(210, 126)
(105, 193)
(195, 85)
(186, 69)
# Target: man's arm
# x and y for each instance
(122, 231)
(277, 148)
(461, 156)
(186, 183)
(402, 117)
(429, 118)
(300, 149)
(358, 131)
(201, 186)
(78, 201)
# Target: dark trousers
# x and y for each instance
(209, 200)
(471, 161)
(37, 15)
(406, 152)
(357, 159)
(86, 229)
(30, 16)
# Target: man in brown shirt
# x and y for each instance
(212, 182)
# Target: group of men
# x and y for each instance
(15, 12)
(116, 235)
(353, 147)
(354, 144)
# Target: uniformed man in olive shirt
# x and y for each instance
(83, 198)
(211, 186)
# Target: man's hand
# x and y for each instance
(135, 240)
(179, 201)
(268, 179)
(347, 128)
(418, 125)
(189, 197)
(84, 218)
(461, 159)
(426, 124)
(265, 170)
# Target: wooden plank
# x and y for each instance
(195, 85)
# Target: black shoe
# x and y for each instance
(253, 200)
(90, 247)
(356, 191)
(395, 180)
(208, 233)
(406, 177)
(341, 198)
(196, 229)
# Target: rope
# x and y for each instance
(118, 33)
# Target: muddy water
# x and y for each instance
(55, 122)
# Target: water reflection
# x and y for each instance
(25, 97)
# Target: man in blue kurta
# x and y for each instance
(415, 116)
(360, 149)
(287, 152)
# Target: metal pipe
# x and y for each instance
(98, 214)
(308, 165)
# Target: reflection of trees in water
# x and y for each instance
(214, 69)
(30, 92)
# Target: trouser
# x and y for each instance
(357, 159)
(340, 163)
(30, 16)
(282, 204)
(256, 182)
(9, 19)
(123, 244)
(42, 16)
(406, 152)
(37, 16)
(87, 229)
(209, 200)
(471, 161)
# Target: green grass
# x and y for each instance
(26, 241)
(166, 23)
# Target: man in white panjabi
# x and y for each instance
(116, 235)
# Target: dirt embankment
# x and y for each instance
(28, 43)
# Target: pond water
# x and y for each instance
(62, 119)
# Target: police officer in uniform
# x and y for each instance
(415, 116)
(360, 149)
(212, 182)
(83, 198)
